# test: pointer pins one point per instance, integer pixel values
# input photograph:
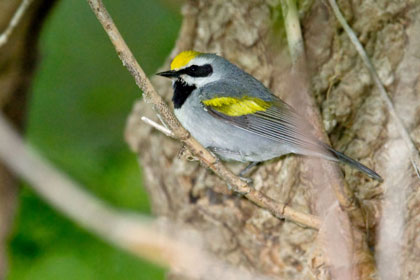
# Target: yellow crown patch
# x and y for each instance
(182, 59)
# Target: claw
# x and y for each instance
(246, 179)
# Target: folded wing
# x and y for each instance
(273, 120)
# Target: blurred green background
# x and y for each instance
(80, 100)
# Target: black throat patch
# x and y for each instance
(181, 92)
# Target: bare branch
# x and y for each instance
(414, 154)
(159, 127)
(4, 37)
(207, 159)
(294, 34)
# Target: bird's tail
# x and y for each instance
(347, 160)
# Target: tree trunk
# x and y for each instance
(17, 64)
(251, 34)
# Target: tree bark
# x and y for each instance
(17, 64)
(250, 34)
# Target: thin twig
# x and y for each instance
(207, 159)
(4, 37)
(294, 34)
(162, 243)
(414, 154)
(159, 127)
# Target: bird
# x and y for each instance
(236, 117)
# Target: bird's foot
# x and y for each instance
(246, 179)
(239, 193)
(236, 192)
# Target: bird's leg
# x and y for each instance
(221, 152)
(246, 170)
(242, 175)
(238, 193)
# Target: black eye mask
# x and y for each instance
(197, 71)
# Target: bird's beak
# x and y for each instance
(169, 74)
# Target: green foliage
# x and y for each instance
(81, 98)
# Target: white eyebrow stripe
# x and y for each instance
(199, 61)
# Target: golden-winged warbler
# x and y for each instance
(235, 116)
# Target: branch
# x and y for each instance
(4, 37)
(157, 126)
(294, 34)
(207, 159)
(414, 154)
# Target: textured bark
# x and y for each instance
(249, 33)
(17, 65)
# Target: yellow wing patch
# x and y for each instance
(182, 59)
(236, 107)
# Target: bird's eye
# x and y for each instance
(198, 71)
